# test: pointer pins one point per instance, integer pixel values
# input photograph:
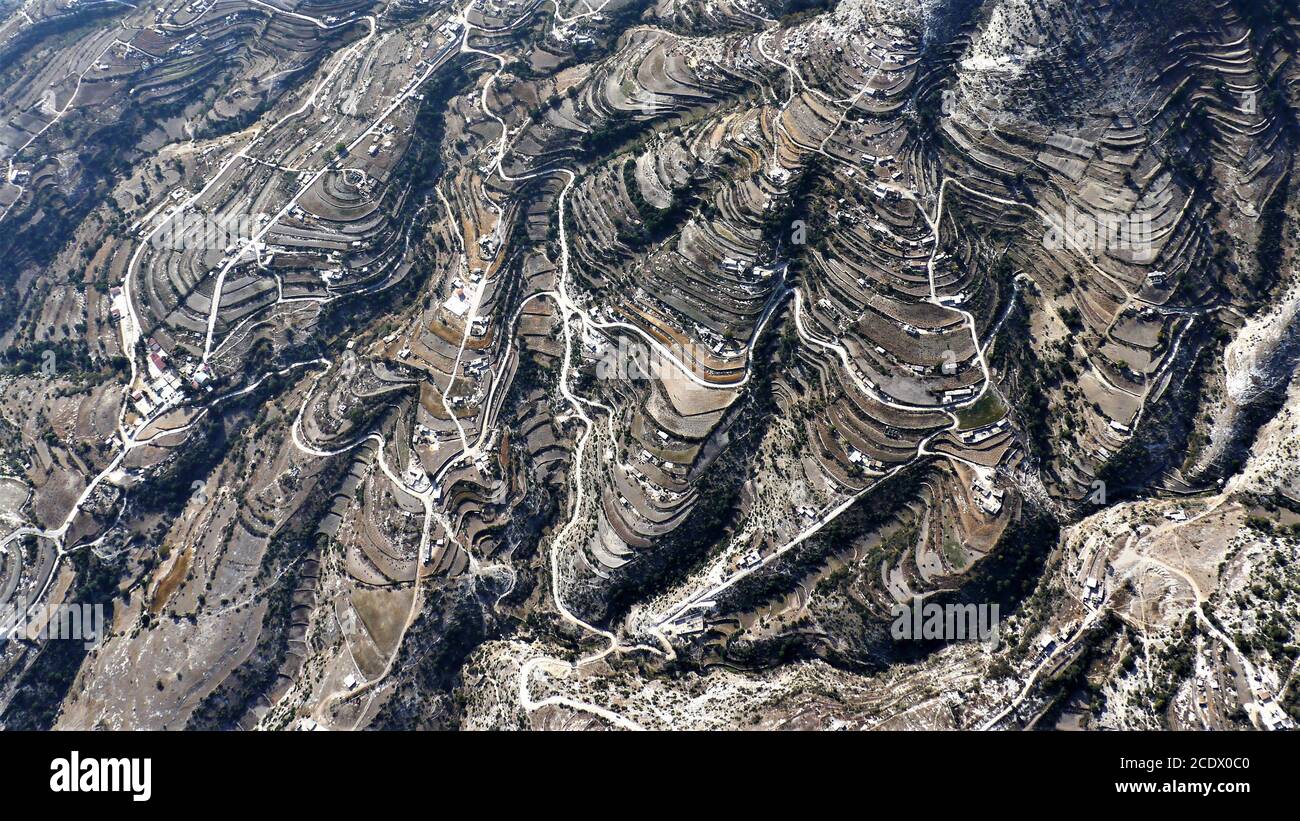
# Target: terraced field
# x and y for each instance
(613, 363)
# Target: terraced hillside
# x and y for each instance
(614, 363)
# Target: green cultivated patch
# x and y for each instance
(986, 411)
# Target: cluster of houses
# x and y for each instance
(1093, 591)
(987, 497)
(958, 394)
(165, 387)
(980, 434)
(864, 461)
